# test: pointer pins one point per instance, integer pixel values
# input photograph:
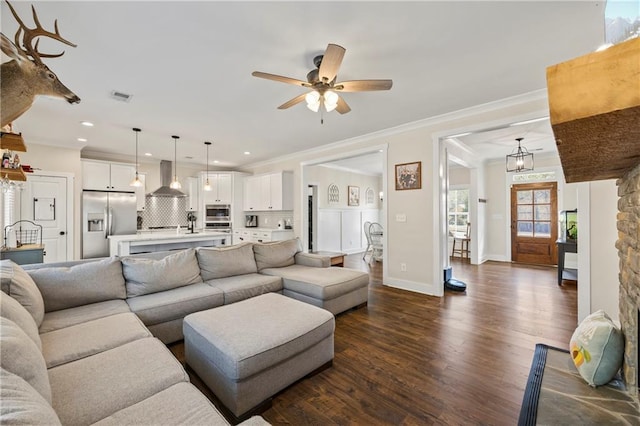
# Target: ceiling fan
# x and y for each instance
(322, 82)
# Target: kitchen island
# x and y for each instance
(147, 241)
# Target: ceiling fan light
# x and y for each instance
(312, 97)
(314, 106)
(330, 97)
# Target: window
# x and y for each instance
(458, 210)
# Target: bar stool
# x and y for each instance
(463, 239)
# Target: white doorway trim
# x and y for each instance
(333, 157)
(440, 175)
(70, 203)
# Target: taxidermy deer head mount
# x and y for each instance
(25, 76)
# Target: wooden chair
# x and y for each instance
(463, 239)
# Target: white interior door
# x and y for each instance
(44, 201)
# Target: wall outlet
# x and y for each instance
(266, 220)
(403, 267)
(401, 217)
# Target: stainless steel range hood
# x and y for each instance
(165, 180)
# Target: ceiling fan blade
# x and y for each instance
(363, 85)
(293, 101)
(331, 61)
(280, 78)
(342, 107)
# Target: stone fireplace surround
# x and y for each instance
(628, 245)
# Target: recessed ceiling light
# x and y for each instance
(87, 123)
(148, 154)
(82, 140)
(216, 161)
(247, 153)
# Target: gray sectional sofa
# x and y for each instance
(83, 342)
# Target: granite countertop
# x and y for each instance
(263, 229)
(166, 235)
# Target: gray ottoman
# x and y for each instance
(333, 289)
(248, 351)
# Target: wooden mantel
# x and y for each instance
(594, 105)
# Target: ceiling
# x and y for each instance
(188, 66)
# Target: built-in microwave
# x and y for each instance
(218, 226)
(217, 213)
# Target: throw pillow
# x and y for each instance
(14, 311)
(20, 356)
(145, 276)
(68, 287)
(22, 404)
(19, 285)
(226, 261)
(597, 348)
(277, 254)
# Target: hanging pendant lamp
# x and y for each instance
(137, 183)
(520, 160)
(175, 184)
(207, 185)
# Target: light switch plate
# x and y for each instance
(401, 217)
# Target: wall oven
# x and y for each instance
(217, 213)
(218, 226)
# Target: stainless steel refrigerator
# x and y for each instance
(104, 214)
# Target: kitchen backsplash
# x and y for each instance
(163, 211)
(270, 219)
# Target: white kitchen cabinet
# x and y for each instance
(193, 194)
(273, 191)
(221, 188)
(141, 193)
(261, 235)
(105, 176)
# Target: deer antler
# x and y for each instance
(32, 33)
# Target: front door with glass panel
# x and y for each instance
(534, 223)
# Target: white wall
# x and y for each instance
(340, 226)
(598, 262)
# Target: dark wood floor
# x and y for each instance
(408, 358)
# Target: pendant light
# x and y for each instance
(207, 186)
(137, 183)
(520, 160)
(175, 184)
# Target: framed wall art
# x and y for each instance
(409, 176)
(354, 195)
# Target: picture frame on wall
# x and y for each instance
(409, 176)
(354, 195)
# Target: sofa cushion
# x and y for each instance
(14, 311)
(78, 285)
(146, 276)
(18, 284)
(320, 283)
(92, 337)
(22, 404)
(20, 355)
(597, 348)
(176, 303)
(243, 287)
(95, 387)
(181, 404)
(226, 261)
(67, 317)
(277, 254)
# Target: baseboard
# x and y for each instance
(496, 258)
(417, 287)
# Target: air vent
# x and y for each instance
(120, 96)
